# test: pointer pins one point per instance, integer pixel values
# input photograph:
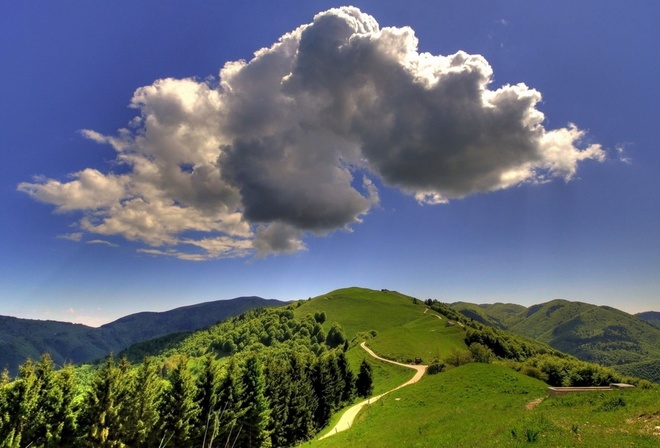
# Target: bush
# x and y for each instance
(436, 366)
(481, 353)
(534, 372)
(459, 357)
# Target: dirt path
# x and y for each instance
(346, 420)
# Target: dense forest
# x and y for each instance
(272, 380)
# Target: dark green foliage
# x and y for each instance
(142, 417)
(507, 345)
(347, 378)
(335, 336)
(229, 402)
(481, 353)
(364, 383)
(436, 366)
(572, 372)
(178, 409)
(205, 425)
(320, 317)
(253, 421)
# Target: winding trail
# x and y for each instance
(346, 420)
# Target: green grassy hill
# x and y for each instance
(484, 405)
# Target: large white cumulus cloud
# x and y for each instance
(289, 142)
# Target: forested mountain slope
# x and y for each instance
(652, 317)
(25, 338)
(592, 333)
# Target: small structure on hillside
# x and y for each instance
(554, 391)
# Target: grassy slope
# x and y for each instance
(403, 330)
(484, 405)
(473, 405)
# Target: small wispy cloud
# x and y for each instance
(622, 155)
(76, 236)
(102, 242)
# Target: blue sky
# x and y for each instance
(345, 155)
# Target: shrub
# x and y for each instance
(436, 366)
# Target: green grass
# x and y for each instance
(484, 405)
(426, 337)
(359, 309)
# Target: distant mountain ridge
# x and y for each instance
(26, 338)
(592, 333)
(652, 317)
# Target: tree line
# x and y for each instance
(265, 395)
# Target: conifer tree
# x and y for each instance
(206, 399)
(100, 421)
(303, 401)
(142, 414)
(22, 405)
(44, 427)
(178, 409)
(322, 390)
(66, 414)
(279, 385)
(348, 378)
(254, 419)
(229, 403)
(364, 383)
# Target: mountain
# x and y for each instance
(26, 338)
(286, 373)
(592, 333)
(652, 317)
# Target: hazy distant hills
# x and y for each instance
(652, 317)
(25, 338)
(592, 333)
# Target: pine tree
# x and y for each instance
(229, 403)
(66, 414)
(142, 416)
(206, 422)
(22, 406)
(100, 421)
(279, 385)
(364, 383)
(178, 409)
(322, 390)
(254, 420)
(303, 401)
(44, 428)
(348, 378)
